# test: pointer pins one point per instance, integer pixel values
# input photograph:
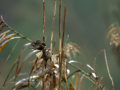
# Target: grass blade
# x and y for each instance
(2, 27)
(80, 83)
(7, 37)
(31, 53)
(108, 69)
(73, 61)
(20, 55)
(9, 56)
(15, 31)
(44, 20)
(60, 44)
(6, 42)
(76, 81)
(43, 87)
(71, 87)
(4, 33)
(8, 75)
(53, 26)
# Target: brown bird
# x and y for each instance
(47, 54)
(38, 45)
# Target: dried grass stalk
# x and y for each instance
(43, 87)
(53, 26)
(60, 44)
(108, 69)
(76, 81)
(9, 56)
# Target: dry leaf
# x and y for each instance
(4, 33)
(71, 87)
(76, 81)
(2, 46)
(6, 42)
(7, 37)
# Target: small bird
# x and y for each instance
(47, 55)
(38, 45)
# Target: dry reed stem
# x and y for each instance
(43, 81)
(51, 75)
(43, 71)
(44, 20)
(100, 82)
(96, 57)
(54, 44)
(8, 76)
(81, 79)
(15, 31)
(9, 56)
(36, 59)
(63, 27)
(51, 80)
(60, 44)
(60, 51)
(63, 45)
(31, 53)
(76, 81)
(53, 26)
(94, 64)
(108, 69)
(86, 75)
(63, 33)
(73, 73)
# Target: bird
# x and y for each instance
(47, 55)
(38, 45)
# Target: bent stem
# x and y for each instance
(108, 69)
(87, 76)
(15, 31)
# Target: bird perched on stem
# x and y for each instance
(38, 45)
(47, 54)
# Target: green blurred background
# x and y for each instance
(87, 25)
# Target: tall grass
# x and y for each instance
(49, 70)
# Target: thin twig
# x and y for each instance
(80, 83)
(43, 70)
(72, 74)
(44, 20)
(51, 74)
(8, 76)
(63, 44)
(76, 81)
(43, 87)
(86, 75)
(15, 31)
(94, 64)
(60, 44)
(54, 43)
(63, 27)
(53, 26)
(108, 69)
(96, 57)
(9, 56)
(36, 59)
